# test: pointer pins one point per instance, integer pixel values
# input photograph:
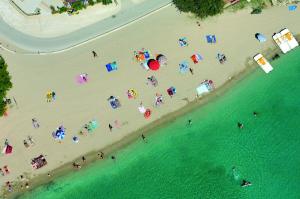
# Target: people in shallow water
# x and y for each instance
(240, 125)
(245, 183)
(190, 122)
(255, 113)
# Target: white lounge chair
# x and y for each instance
(288, 36)
(263, 63)
(281, 42)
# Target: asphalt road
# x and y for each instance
(128, 13)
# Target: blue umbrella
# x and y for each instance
(260, 37)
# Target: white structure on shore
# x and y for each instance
(263, 63)
(285, 40)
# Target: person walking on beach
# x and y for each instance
(94, 54)
(192, 71)
(110, 127)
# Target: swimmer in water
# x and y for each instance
(240, 125)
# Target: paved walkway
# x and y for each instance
(129, 12)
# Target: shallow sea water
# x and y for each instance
(196, 161)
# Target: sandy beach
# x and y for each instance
(75, 105)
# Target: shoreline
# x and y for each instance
(148, 129)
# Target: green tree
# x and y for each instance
(201, 8)
(106, 2)
(5, 84)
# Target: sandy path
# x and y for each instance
(76, 104)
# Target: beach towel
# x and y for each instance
(196, 58)
(184, 67)
(211, 39)
(292, 7)
(82, 78)
(171, 91)
(183, 42)
(111, 66)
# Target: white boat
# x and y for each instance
(289, 38)
(281, 42)
(263, 63)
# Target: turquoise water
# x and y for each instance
(196, 161)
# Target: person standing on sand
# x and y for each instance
(94, 54)
(110, 127)
(192, 71)
(83, 159)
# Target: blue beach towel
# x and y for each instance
(292, 7)
(211, 39)
(111, 66)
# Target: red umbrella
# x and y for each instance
(153, 64)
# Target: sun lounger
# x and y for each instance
(263, 63)
(281, 42)
(287, 36)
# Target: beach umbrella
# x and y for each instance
(161, 59)
(260, 37)
(153, 64)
